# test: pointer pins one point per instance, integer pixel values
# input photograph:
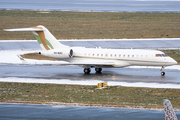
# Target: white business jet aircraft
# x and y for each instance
(97, 58)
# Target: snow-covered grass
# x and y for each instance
(90, 82)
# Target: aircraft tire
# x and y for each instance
(87, 70)
(162, 73)
(98, 70)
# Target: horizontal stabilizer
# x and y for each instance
(24, 29)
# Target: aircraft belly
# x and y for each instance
(89, 60)
(102, 63)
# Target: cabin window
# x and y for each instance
(119, 55)
(97, 54)
(128, 56)
(132, 55)
(106, 55)
(92, 54)
(111, 55)
(101, 55)
(115, 55)
(124, 55)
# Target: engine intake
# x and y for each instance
(71, 53)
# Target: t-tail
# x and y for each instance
(168, 110)
(46, 40)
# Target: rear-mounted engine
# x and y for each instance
(62, 53)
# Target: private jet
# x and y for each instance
(97, 58)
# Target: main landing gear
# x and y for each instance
(162, 71)
(98, 70)
(88, 70)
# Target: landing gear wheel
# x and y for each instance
(87, 70)
(162, 73)
(98, 70)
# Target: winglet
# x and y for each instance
(22, 59)
(168, 110)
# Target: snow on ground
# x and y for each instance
(89, 82)
(11, 57)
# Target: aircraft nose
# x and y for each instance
(171, 62)
(174, 62)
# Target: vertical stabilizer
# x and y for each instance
(46, 40)
(168, 110)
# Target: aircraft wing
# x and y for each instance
(85, 64)
(69, 63)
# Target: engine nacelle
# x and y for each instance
(61, 53)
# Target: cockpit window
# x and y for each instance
(164, 55)
(161, 55)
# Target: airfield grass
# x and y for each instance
(114, 96)
(91, 25)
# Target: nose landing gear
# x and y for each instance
(162, 71)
